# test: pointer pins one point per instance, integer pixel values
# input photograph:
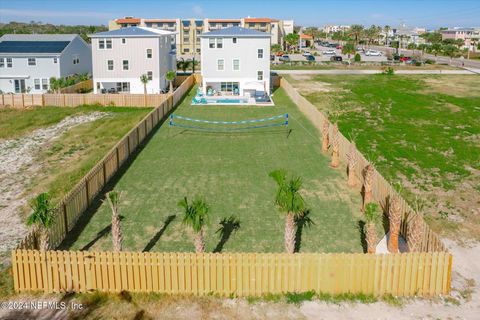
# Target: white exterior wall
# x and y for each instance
(45, 68)
(135, 51)
(78, 47)
(246, 51)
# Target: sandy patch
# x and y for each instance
(17, 168)
(459, 86)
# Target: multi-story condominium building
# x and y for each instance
(189, 30)
(236, 61)
(28, 61)
(334, 28)
(406, 35)
(120, 57)
(470, 36)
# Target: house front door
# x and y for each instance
(20, 86)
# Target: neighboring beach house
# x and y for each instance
(28, 61)
(120, 57)
(236, 61)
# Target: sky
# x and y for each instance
(422, 13)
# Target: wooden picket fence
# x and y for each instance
(240, 274)
(382, 189)
(76, 202)
(84, 85)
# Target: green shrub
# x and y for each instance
(297, 298)
(430, 61)
(389, 71)
(357, 57)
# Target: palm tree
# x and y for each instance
(349, 49)
(195, 216)
(394, 216)
(357, 32)
(325, 140)
(290, 202)
(335, 147)
(42, 217)
(368, 185)
(372, 217)
(170, 76)
(292, 39)
(113, 198)
(144, 79)
(55, 84)
(387, 29)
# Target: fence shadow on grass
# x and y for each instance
(159, 234)
(227, 227)
(73, 235)
(102, 233)
(303, 221)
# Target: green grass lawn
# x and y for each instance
(230, 170)
(422, 131)
(304, 65)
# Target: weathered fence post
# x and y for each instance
(325, 141)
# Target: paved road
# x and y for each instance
(335, 71)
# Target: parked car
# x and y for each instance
(339, 47)
(360, 49)
(404, 59)
(306, 53)
(284, 58)
(336, 58)
(329, 52)
(373, 53)
(310, 58)
(333, 45)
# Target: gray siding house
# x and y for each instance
(120, 57)
(28, 61)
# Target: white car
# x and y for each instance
(329, 52)
(373, 53)
(306, 54)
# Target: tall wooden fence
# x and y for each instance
(84, 85)
(382, 189)
(242, 274)
(76, 202)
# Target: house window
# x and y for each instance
(37, 84)
(55, 60)
(125, 64)
(211, 43)
(101, 44)
(32, 62)
(260, 53)
(76, 59)
(229, 87)
(109, 44)
(234, 40)
(98, 85)
(150, 75)
(110, 65)
(259, 75)
(124, 40)
(219, 43)
(186, 50)
(220, 64)
(123, 86)
(45, 84)
(149, 53)
(9, 62)
(2, 62)
(236, 64)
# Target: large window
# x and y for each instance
(109, 43)
(220, 64)
(149, 53)
(211, 43)
(229, 87)
(110, 65)
(236, 64)
(37, 84)
(259, 75)
(260, 53)
(45, 84)
(125, 64)
(101, 44)
(32, 61)
(219, 43)
(2, 62)
(123, 86)
(150, 75)
(9, 63)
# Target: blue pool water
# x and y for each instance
(203, 100)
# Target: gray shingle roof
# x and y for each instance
(38, 37)
(236, 32)
(131, 32)
(33, 46)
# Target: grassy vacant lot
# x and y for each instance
(68, 157)
(231, 171)
(422, 131)
(303, 65)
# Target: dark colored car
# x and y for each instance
(284, 58)
(333, 45)
(336, 58)
(310, 58)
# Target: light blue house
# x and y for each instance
(28, 61)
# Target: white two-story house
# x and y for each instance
(120, 57)
(236, 61)
(28, 61)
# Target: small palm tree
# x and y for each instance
(335, 147)
(325, 138)
(42, 217)
(196, 216)
(368, 185)
(54, 84)
(290, 202)
(113, 198)
(170, 76)
(144, 80)
(372, 217)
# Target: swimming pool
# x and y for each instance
(209, 100)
